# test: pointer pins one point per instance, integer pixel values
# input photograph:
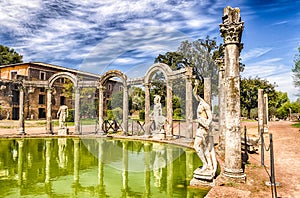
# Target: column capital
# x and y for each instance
(232, 27)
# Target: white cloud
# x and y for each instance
(254, 53)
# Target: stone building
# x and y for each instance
(34, 76)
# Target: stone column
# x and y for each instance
(266, 113)
(260, 110)
(49, 110)
(147, 110)
(21, 125)
(189, 104)
(125, 110)
(101, 109)
(169, 111)
(222, 105)
(231, 31)
(207, 91)
(77, 111)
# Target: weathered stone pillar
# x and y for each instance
(101, 109)
(189, 103)
(147, 110)
(266, 113)
(222, 105)
(77, 111)
(260, 110)
(21, 125)
(169, 111)
(49, 109)
(231, 31)
(125, 110)
(207, 91)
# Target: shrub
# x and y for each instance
(70, 117)
(177, 113)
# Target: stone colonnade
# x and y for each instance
(170, 76)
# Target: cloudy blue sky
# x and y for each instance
(96, 36)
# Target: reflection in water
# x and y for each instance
(76, 167)
(159, 163)
(61, 155)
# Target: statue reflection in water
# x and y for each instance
(159, 163)
(62, 157)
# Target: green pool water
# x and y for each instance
(73, 167)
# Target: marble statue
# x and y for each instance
(203, 143)
(158, 118)
(62, 114)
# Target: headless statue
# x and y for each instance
(203, 144)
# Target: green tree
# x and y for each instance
(200, 55)
(116, 100)
(9, 56)
(137, 99)
(296, 69)
(68, 88)
(88, 103)
(173, 59)
(249, 92)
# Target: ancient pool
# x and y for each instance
(73, 167)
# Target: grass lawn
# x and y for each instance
(297, 125)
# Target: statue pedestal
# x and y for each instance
(159, 135)
(203, 178)
(63, 131)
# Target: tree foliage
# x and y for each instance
(249, 93)
(137, 99)
(296, 69)
(200, 55)
(174, 59)
(88, 103)
(9, 56)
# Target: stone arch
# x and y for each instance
(113, 73)
(68, 75)
(51, 81)
(103, 79)
(166, 70)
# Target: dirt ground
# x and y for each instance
(287, 163)
(286, 140)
